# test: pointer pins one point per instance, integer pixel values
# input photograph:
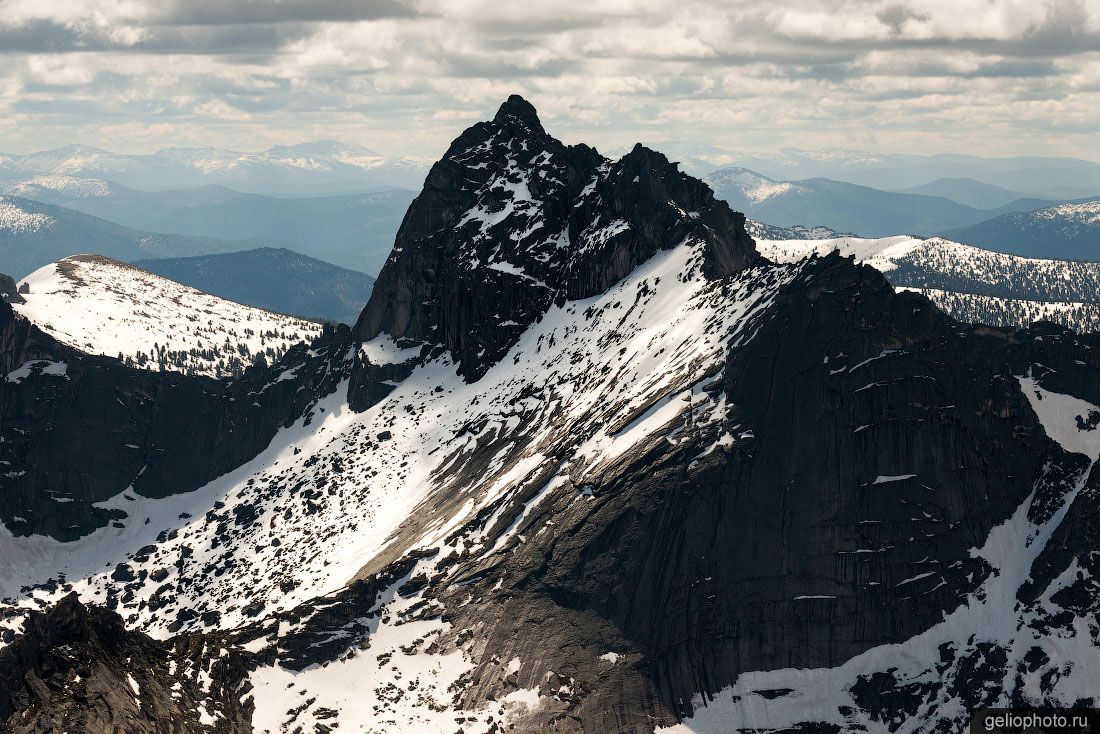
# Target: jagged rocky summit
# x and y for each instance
(586, 463)
(574, 223)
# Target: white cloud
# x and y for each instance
(67, 70)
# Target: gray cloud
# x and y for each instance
(221, 12)
(45, 36)
(404, 76)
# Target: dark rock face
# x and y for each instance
(95, 428)
(9, 292)
(22, 342)
(510, 220)
(80, 669)
(873, 458)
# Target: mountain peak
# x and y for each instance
(518, 107)
(649, 158)
(510, 221)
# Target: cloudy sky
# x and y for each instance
(994, 77)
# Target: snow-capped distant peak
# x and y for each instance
(75, 186)
(752, 185)
(103, 306)
(14, 219)
(72, 159)
(321, 156)
(1083, 213)
(326, 148)
(766, 191)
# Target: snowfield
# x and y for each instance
(881, 253)
(103, 306)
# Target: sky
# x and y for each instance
(404, 77)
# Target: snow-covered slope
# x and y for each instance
(881, 253)
(371, 470)
(752, 186)
(968, 282)
(103, 306)
(1085, 213)
(998, 311)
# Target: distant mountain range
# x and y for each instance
(847, 207)
(273, 279)
(354, 230)
(1069, 231)
(324, 166)
(33, 234)
(49, 217)
(327, 166)
(1042, 177)
(968, 192)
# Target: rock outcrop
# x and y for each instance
(9, 292)
(79, 669)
